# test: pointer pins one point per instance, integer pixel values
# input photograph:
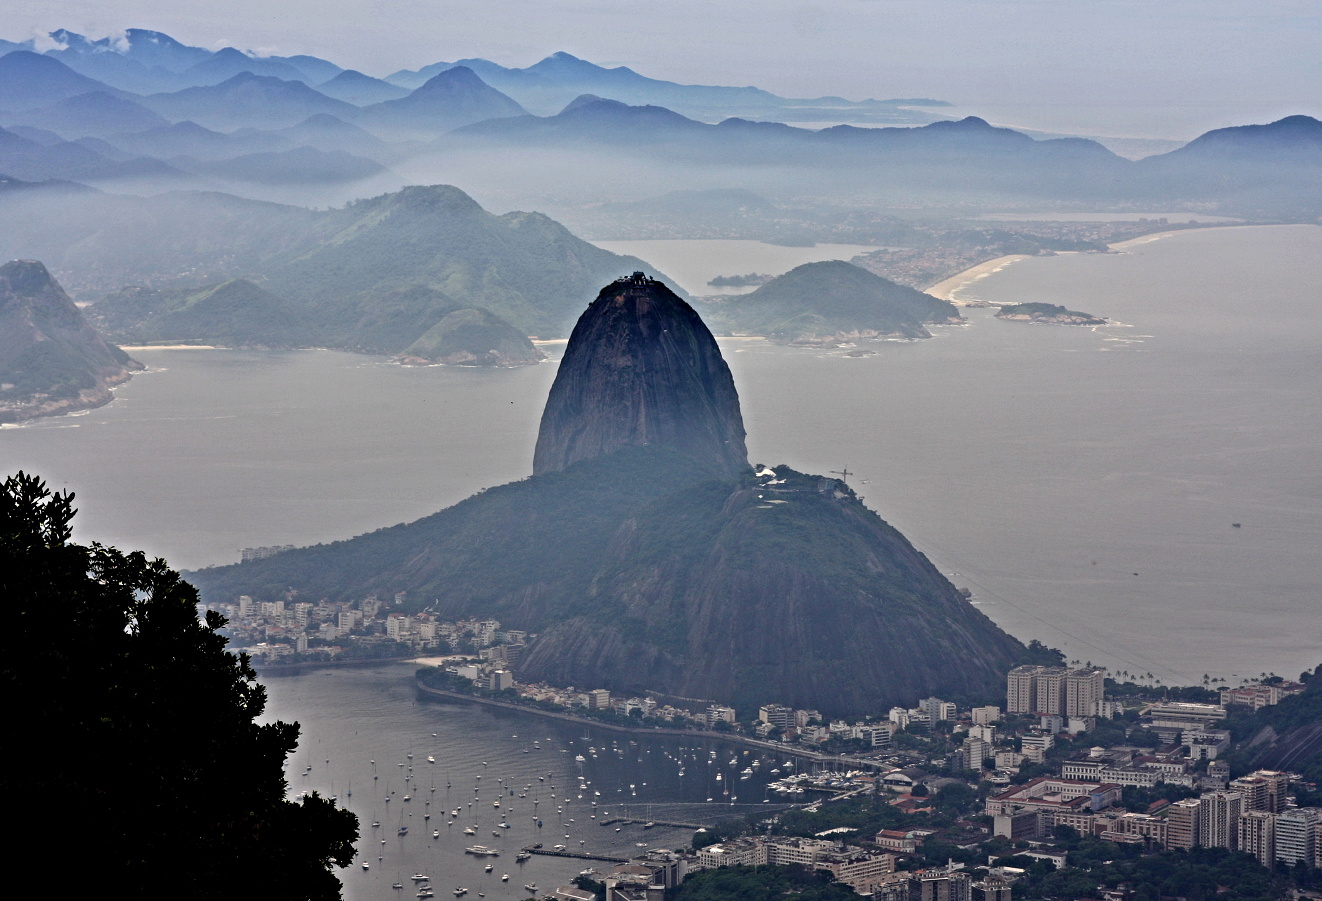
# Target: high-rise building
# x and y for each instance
(1257, 835)
(940, 885)
(1055, 690)
(1218, 819)
(992, 888)
(1254, 791)
(1182, 829)
(1296, 834)
(1084, 690)
(1051, 689)
(1278, 785)
(1021, 693)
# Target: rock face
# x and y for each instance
(51, 360)
(641, 368)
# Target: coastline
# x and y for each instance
(141, 347)
(643, 730)
(947, 289)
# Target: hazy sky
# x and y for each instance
(1167, 68)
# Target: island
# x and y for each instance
(1047, 313)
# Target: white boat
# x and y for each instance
(504, 877)
(418, 877)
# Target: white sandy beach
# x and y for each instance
(949, 288)
(137, 347)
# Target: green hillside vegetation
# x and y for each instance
(523, 267)
(234, 313)
(765, 883)
(1285, 736)
(51, 359)
(419, 323)
(829, 302)
(347, 274)
(642, 572)
(474, 338)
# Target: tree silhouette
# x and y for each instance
(138, 727)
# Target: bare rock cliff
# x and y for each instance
(641, 368)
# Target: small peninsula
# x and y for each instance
(1047, 314)
(51, 360)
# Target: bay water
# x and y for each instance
(1147, 494)
(453, 772)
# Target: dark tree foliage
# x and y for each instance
(136, 727)
(1039, 654)
(760, 884)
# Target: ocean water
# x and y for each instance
(366, 736)
(1084, 483)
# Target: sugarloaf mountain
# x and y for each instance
(646, 554)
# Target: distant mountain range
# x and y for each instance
(148, 62)
(146, 113)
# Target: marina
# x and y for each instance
(626, 796)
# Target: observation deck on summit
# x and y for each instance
(638, 278)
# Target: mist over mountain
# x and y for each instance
(451, 99)
(546, 86)
(353, 86)
(93, 113)
(598, 136)
(373, 276)
(31, 80)
(248, 100)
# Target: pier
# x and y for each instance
(580, 855)
(629, 821)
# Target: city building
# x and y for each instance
(1296, 834)
(1257, 835)
(1218, 819)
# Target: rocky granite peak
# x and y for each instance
(641, 368)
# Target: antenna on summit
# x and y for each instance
(842, 473)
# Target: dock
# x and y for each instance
(580, 855)
(630, 821)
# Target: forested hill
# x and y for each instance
(642, 572)
(1287, 736)
(375, 274)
